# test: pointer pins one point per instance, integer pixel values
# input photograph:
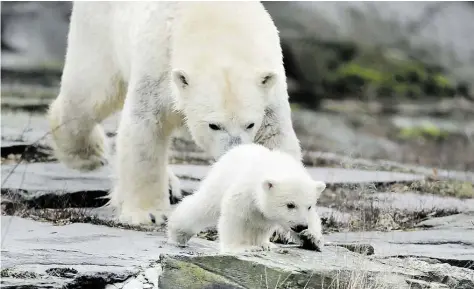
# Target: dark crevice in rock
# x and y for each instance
(99, 280)
(57, 200)
(53, 200)
(31, 108)
(28, 153)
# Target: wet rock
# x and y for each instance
(312, 129)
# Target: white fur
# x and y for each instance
(246, 194)
(206, 64)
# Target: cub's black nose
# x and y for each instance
(299, 228)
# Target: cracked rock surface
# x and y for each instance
(74, 255)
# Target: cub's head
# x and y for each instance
(289, 202)
(223, 108)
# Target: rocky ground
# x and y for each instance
(387, 224)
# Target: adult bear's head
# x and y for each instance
(224, 107)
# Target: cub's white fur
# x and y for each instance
(216, 66)
(249, 193)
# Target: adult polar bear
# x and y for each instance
(215, 66)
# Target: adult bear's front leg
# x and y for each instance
(143, 141)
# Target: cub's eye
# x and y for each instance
(309, 208)
(290, 206)
(250, 125)
(214, 126)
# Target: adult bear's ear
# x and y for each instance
(180, 78)
(267, 79)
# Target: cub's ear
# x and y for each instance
(267, 79)
(180, 78)
(268, 185)
(319, 187)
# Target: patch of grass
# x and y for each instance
(66, 216)
(12, 273)
(451, 188)
(374, 70)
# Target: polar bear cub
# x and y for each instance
(249, 193)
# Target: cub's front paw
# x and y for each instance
(311, 240)
(267, 246)
(179, 238)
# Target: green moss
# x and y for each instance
(426, 130)
(182, 274)
(388, 77)
(368, 74)
(441, 80)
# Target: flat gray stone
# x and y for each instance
(463, 220)
(53, 177)
(35, 247)
(415, 202)
(34, 128)
(445, 243)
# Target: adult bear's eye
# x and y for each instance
(290, 206)
(250, 125)
(214, 126)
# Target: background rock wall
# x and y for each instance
(323, 46)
